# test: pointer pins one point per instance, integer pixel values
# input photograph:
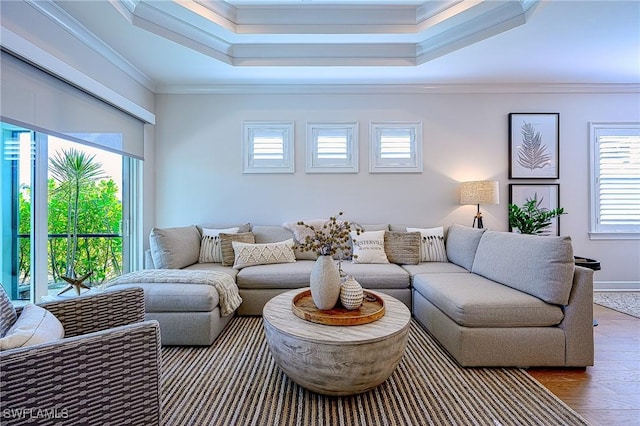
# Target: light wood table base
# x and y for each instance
(336, 360)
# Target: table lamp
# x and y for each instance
(479, 192)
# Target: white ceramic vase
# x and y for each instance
(351, 293)
(325, 283)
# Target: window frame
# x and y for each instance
(283, 165)
(597, 230)
(377, 165)
(317, 165)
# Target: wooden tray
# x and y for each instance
(372, 309)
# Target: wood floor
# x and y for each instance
(607, 394)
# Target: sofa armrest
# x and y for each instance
(86, 314)
(578, 320)
(107, 377)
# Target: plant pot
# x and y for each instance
(325, 283)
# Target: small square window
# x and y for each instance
(267, 147)
(332, 148)
(395, 147)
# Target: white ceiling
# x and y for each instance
(204, 43)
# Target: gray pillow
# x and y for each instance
(175, 248)
(537, 265)
(402, 248)
(461, 245)
(7, 312)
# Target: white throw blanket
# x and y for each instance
(224, 284)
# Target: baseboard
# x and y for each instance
(616, 286)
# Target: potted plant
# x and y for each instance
(531, 218)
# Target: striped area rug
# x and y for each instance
(236, 382)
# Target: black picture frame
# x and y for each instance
(534, 145)
(519, 193)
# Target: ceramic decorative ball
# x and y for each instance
(351, 293)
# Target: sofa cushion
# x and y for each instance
(210, 247)
(213, 267)
(378, 275)
(368, 247)
(433, 268)
(402, 248)
(280, 275)
(167, 297)
(226, 243)
(540, 266)
(174, 248)
(461, 244)
(262, 254)
(432, 247)
(474, 301)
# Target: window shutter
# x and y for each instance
(396, 147)
(332, 148)
(267, 147)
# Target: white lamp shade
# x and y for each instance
(480, 192)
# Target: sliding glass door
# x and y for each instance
(64, 209)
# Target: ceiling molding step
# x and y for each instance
(254, 35)
(559, 88)
(65, 21)
(498, 20)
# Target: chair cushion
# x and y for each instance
(34, 326)
(280, 275)
(378, 275)
(474, 301)
(433, 267)
(7, 312)
(538, 265)
(169, 297)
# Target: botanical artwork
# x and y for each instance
(533, 145)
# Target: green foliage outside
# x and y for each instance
(81, 201)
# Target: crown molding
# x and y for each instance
(567, 88)
(62, 19)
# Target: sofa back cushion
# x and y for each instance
(537, 265)
(461, 244)
(174, 248)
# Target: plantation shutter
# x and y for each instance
(618, 179)
(268, 147)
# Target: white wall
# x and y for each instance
(199, 178)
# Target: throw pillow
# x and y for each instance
(34, 326)
(174, 248)
(7, 312)
(402, 248)
(368, 247)
(210, 247)
(432, 248)
(262, 254)
(226, 243)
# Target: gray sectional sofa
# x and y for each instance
(501, 299)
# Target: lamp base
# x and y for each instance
(478, 219)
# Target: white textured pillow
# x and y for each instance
(432, 248)
(262, 254)
(368, 247)
(35, 325)
(210, 246)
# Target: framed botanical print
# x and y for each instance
(546, 196)
(534, 145)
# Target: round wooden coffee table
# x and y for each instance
(336, 360)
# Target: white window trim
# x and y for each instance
(598, 232)
(283, 165)
(376, 166)
(349, 165)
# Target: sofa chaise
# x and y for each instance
(491, 299)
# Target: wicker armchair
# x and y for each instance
(106, 371)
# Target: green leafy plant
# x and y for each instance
(531, 218)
